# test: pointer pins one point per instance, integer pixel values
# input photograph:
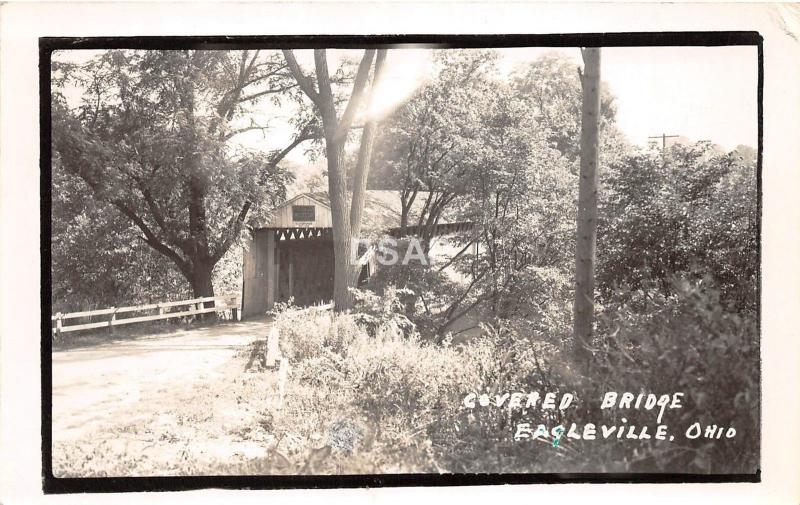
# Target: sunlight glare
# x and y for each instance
(404, 71)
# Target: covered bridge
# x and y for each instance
(292, 254)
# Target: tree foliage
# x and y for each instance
(97, 260)
(150, 138)
(552, 87)
(426, 150)
(520, 197)
(473, 148)
(688, 211)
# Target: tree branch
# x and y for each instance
(233, 133)
(234, 228)
(458, 254)
(270, 91)
(357, 94)
(151, 238)
(365, 153)
(304, 82)
(452, 319)
(158, 215)
(306, 134)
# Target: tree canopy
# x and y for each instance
(150, 137)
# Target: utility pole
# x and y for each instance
(663, 138)
(586, 236)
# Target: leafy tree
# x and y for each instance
(151, 138)
(552, 86)
(520, 198)
(489, 153)
(688, 212)
(346, 215)
(97, 260)
(426, 147)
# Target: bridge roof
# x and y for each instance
(382, 211)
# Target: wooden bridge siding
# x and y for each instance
(283, 215)
(258, 258)
(276, 269)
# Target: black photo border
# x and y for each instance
(55, 485)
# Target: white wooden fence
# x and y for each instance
(195, 306)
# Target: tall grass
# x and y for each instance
(367, 395)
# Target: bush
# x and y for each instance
(392, 402)
(687, 342)
(385, 310)
(687, 211)
(421, 294)
(311, 333)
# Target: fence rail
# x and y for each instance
(196, 306)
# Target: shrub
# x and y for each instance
(309, 333)
(393, 401)
(685, 342)
(376, 311)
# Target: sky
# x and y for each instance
(703, 93)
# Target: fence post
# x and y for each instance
(273, 350)
(111, 321)
(283, 372)
(59, 324)
(160, 309)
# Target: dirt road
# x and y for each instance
(153, 393)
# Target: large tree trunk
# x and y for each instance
(336, 129)
(587, 205)
(362, 171)
(335, 139)
(201, 283)
(203, 286)
(342, 234)
(201, 280)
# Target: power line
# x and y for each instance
(663, 138)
